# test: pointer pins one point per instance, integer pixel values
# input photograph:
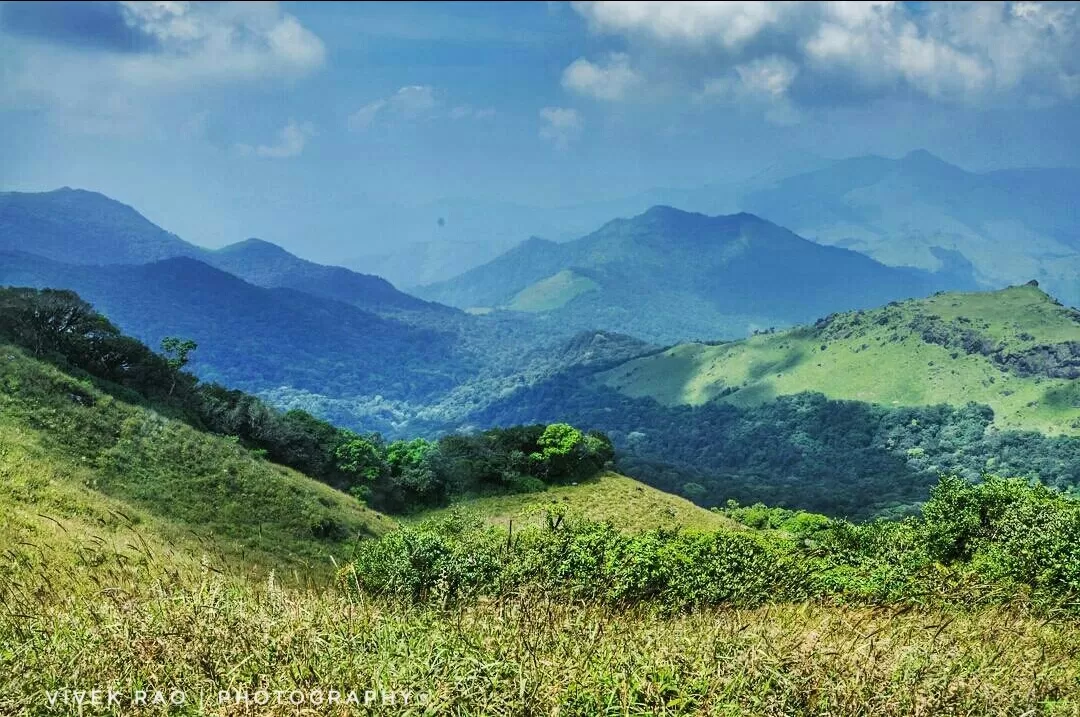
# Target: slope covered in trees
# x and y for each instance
(256, 338)
(400, 476)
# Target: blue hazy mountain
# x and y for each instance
(669, 275)
(80, 227)
(920, 211)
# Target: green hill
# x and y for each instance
(74, 455)
(552, 292)
(1015, 350)
(626, 503)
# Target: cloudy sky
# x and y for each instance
(221, 121)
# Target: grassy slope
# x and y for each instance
(885, 363)
(74, 455)
(523, 655)
(627, 503)
(552, 292)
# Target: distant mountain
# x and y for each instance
(348, 346)
(75, 226)
(434, 242)
(669, 275)
(255, 338)
(265, 264)
(80, 227)
(921, 211)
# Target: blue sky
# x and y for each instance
(297, 122)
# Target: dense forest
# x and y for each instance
(844, 458)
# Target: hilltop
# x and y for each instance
(668, 275)
(628, 504)
(854, 415)
(1015, 350)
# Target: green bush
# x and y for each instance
(975, 543)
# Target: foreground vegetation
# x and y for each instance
(1000, 541)
(148, 618)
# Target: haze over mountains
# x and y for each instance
(1001, 227)
(75, 226)
(1010, 225)
(668, 275)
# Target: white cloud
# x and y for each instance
(410, 103)
(952, 51)
(290, 142)
(214, 42)
(365, 116)
(560, 125)
(768, 76)
(194, 45)
(729, 23)
(610, 81)
(761, 84)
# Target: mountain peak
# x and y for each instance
(665, 212)
(254, 245)
(923, 158)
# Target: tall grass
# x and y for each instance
(137, 617)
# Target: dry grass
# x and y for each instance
(136, 620)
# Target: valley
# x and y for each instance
(853, 413)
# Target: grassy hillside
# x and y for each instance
(552, 292)
(628, 504)
(1015, 350)
(137, 553)
(75, 458)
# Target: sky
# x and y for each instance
(301, 123)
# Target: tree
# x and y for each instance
(362, 457)
(177, 352)
(50, 320)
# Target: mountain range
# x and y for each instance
(79, 227)
(920, 211)
(669, 275)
